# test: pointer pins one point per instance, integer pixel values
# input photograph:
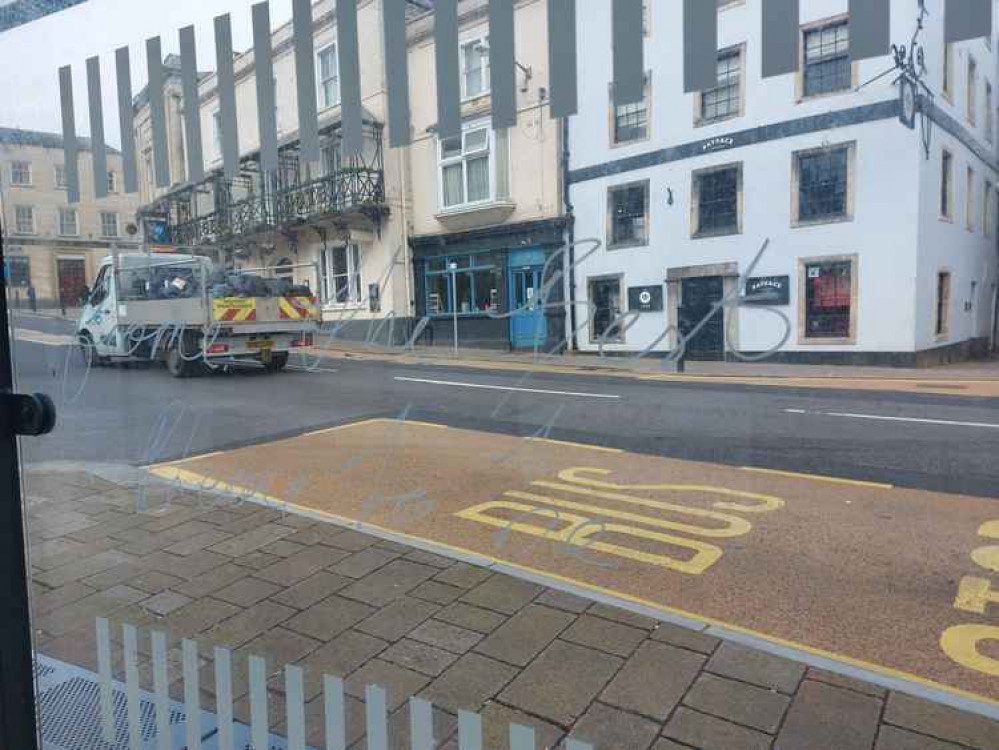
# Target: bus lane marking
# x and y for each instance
(579, 525)
(962, 643)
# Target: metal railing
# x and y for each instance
(348, 189)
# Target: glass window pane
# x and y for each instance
(718, 201)
(451, 148)
(828, 295)
(478, 179)
(822, 184)
(454, 191)
(464, 292)
(476, 140)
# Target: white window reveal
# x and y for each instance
(342, 274)
(60, 177)
(329, 78)
(67, 222)
(475, 68)
(109, 224)
(24, 219)
(20, 173)
(474, 167)
(217, 132)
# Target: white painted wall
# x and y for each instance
(892, 182)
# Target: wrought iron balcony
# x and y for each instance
(225, 213)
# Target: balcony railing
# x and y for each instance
(349, 189)
(255, 202)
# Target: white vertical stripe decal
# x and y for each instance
(469, 731)
(421, 724)
(192, 697)
(376, 715)
(259, 728)
(223, 696)
(104, 670)
(295, 705)
(336, 735)
(131, 649)
(161, 684)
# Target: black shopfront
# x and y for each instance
(492, 283)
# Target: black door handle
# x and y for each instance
(29, 415)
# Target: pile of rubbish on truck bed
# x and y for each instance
(221, 284)
(182, 282)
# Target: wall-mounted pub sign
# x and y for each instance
(768, 290)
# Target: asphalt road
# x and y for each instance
(141, 415)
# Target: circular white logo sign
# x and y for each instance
(645, 297)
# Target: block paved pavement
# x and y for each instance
(373, 611)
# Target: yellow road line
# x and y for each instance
(339, 427)
(819, 478)
(572, 444)
(613, 593)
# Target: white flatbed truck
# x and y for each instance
(164, 307)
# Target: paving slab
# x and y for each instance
(653, 680)
(561, 683)
(824, 716)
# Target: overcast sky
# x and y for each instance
(31, 55)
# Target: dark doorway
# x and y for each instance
(72, 281)
(698, 300)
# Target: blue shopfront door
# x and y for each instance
(527, 323)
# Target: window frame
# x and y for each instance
(112, 181)
(695, 201)
(492, 154)
(989, 123)
(969, 198)
(647, 219)
(76, 222)
(21, 167)
(320, 81)
(946, 179)
(217, 133)
(851, 167)
(621, 333)
(467, 41)
(18, 260)
(989, 208)
(699, 120)
(612, 115)
(942, 304)
(803, 263)
(117, 227)
(354, 263)
(56, 183)
(472, 267)
(971, 92)
(17, 227)
(947, 86)
(804, 30)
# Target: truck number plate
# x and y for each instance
(260, 344)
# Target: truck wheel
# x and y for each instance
(89, 351)
(178, 366)
(278, 362)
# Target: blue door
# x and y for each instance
(528, 327)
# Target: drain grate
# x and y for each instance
(43, 670)
(70, 716)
